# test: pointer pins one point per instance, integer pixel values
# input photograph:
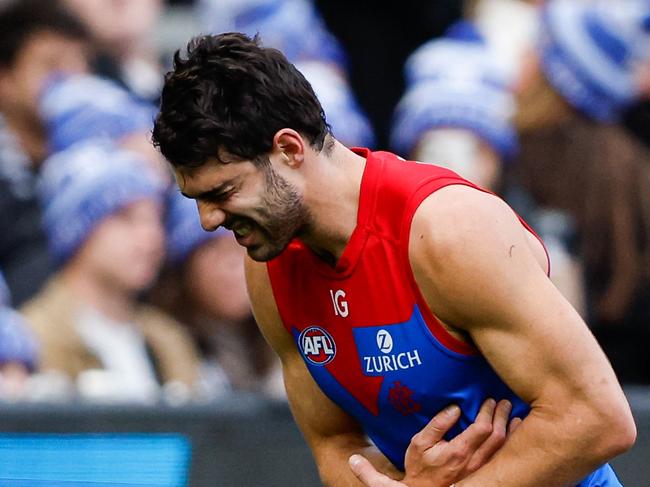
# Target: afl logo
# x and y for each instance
(316, 345)
(384, 341)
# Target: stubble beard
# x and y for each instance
(283, 217)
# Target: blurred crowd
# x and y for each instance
(111, 291)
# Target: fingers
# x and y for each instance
(469, 441)
(368, 475)
(469, 450)
(486, 413)
(495, 439)
(434, 431)
(514, 424)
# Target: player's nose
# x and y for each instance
(211, 217)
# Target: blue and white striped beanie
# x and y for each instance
(456, 82)
(588, 50)
(81, 107)
(292, 26)
(17, 344)
(86, 183)
(183, 229)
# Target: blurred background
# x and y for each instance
(128, 353)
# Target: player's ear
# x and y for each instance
(290, 146)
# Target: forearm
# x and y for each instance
(550, 448)
(335, 472)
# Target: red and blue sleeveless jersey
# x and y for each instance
(364, 330)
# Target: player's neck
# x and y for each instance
(332, 197)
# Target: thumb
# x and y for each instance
(367, 474)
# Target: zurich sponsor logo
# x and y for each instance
(384, 341)
(382, 351)
(317, 345)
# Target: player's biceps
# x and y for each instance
(548, 340)
(515, 357)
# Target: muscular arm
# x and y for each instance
(332, 435)
(476, 267)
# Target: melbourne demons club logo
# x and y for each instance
(316, 345)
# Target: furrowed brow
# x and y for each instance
(213, 192)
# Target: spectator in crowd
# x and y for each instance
(80, 107)
(457, 107)
(573, 90)
(123, 32)
(296, 28)
(457, 112)
(37, 38)
(203, 286)
(102, 216)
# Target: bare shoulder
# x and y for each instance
(265, 309)
(464, 244)
(454, 214)
(458, 219)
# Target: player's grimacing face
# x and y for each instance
(263, 210)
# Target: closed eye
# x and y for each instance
(219, 196)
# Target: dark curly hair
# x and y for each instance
(231, 95)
